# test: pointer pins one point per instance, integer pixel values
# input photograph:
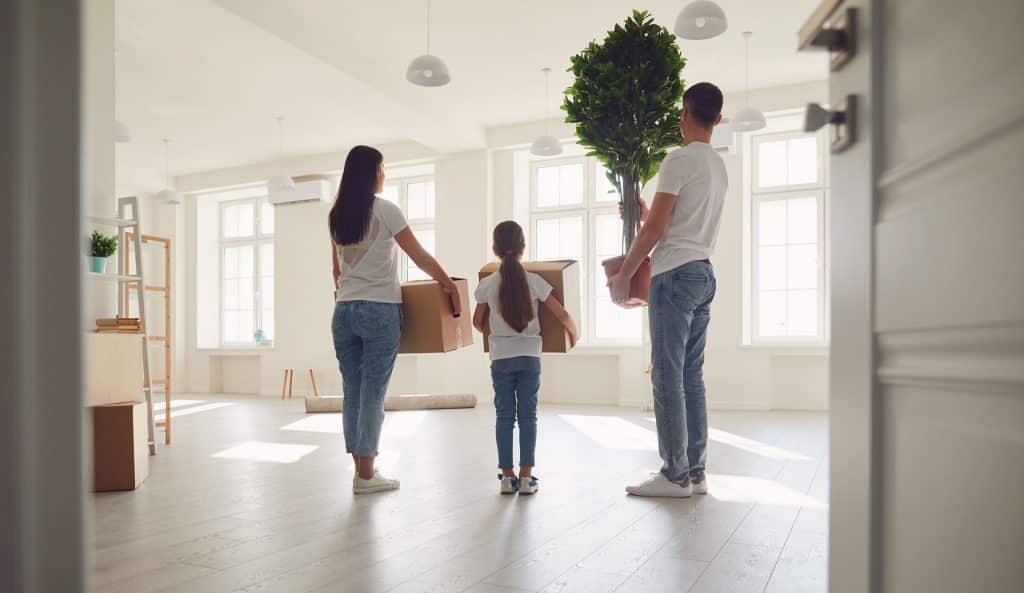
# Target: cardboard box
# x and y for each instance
(120, 446)
(113, 368)
(564, 277)
(429, 325)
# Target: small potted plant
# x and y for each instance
(625, 101)
(101, 247)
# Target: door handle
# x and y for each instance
(836, 35)
(842, 119)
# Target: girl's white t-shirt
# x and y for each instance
(504, 341)
(369, 268)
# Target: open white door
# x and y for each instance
(927, 377)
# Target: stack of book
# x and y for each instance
(124, 325)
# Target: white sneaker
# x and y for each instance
(509, 484)
(660, 486)
(377, 483)
(700, 487)
(528, 485)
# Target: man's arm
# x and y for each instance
(650, 233)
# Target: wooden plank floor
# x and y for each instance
(255, 496)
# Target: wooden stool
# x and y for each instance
(289, 382)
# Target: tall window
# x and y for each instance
(574, 215)
(788, 190)
(415, 196)
(247, 270)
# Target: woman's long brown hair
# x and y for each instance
(514, 303)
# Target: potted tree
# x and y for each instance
(101, 247)
(625, 102)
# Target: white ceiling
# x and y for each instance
(212, 74)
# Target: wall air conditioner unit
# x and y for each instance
(309, 188)
(723, 139)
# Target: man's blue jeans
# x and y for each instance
(366, 336)
(516, 384)
(679, 308)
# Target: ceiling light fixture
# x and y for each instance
(701, 19)
(546, 145)
(280, 181)
(748, 119)
(168, 195)
(428, 70)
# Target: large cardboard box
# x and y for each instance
(564, 277)
(120, 446)
(428, 325)
(113, 368)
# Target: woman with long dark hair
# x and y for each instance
(507, 309)
(366, 232)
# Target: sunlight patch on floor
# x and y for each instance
(613, 432)
(326, 423)
(746, 489)
(755, 447)
(159, 416)
(270, 452)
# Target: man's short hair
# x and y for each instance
(703, 101)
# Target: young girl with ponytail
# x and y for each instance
(507, 309)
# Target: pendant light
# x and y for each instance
(546, 145)
(701, 19)
(428, 70)
(748, 119)
(168, 195)
(280, 181)
(121, 132)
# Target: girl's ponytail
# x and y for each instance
(515, 303)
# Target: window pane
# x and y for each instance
(231, 294)
(230, 326)
(238, 261)
(266, 218)
(803, 160)
(604, 190)
(803, 313)
(771, 314)
(266, 260)
(427, 238)
(771, 268)
(246, 326)
(267, 293)
(547, 187)
(802, 266)
(614, 322)
(245, 261)
(246, 293)
(421, 200)
(390, 193)
(230, 262)
(802, 226)
(771, 164)
(570, 185)
(771, 222)
(559, 238)
(239, 220)
(608, 235)
(267, 318)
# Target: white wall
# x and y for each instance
(476, 189)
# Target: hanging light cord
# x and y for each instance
(746, 68)
(547, 122)
(167, 173)
(428, 27)
(280, 137)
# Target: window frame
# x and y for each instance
(757, 196)
(418, 225)
(587, 210)
(257, 240)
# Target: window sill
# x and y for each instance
(239, 350)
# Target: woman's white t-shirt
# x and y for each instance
(504, 341)
(369, 268)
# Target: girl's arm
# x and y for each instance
(426, 262)
(337, 268)
(562, 315)
(480, 317)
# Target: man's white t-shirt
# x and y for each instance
(369, 269)
(695, 174)
(504, 341)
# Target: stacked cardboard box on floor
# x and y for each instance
(114, 382)
(428, 324)
(564, 278)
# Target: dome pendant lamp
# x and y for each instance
(280, 181)
(168, 195)
(428, 70)
(546, 145)
(748, 119)
(701, 19)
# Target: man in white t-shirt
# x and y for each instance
(682, 228)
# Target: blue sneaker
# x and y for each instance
(528, 485)
(509, 484)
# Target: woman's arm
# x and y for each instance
(426, 262)
(480, 317)
(562, 315)
(337, 268)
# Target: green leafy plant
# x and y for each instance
(101, 245)
(625, 102)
